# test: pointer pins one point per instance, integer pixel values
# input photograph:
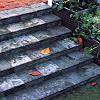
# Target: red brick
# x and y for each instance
(10, 4)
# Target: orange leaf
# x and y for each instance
(35, 73)
(45, 51)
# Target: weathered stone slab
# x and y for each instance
(58, 30)
(49, 69)
(8, 45)
(3, 30)
(4, 64)
(34, 38)
(26, 77)
(34, 55)
(9, 82)
(41, 35)
(3, 98)
(15, 27)
(26, 40)
(32, 22)
(18, 59)
(28, 26)
(79, 56)
(54, 48)
(22, 11)
(67, 43)
(53, 86)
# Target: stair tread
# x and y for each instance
(57, 84)
(35, 37)
(23, 10)
(17, 59)
(46, 69)
(40, 20)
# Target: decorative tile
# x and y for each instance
(8, 45)
(16, 27)
(47, 68)
(35, 54)
(19, 59)
(10, 82)
(3, 30)
(74, 77)
(3, 98)
(39, 6)
(25, 75)
(67, 43)
(63, 62)
(25, 40)
(79, 56)
(3, 14)
(41, 35)
(20, 11)
(56, 47)
(4, 65)
(37, 21)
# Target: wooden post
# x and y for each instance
(50, 2)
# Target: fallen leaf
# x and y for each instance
(45, 51)
(35, 73)
(93, 84)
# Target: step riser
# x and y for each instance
(29, 30)
(41, 79)
(38, 61)
(25, 17)
(71, 88)
(39, 44)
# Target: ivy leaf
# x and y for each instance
(88, 50)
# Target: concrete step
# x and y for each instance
(63, 83)
(23, 13)
(57, 85)
(56, 67)
(15, 61)
(36, 39)
(26, 27)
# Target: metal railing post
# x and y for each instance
(50, 2)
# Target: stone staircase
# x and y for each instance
(24, 32)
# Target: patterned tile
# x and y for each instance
(67, 43)
(16, 60)
(8, 45)
(4, 65)
(47, 68)
(9, 82)
(16, 27)
(25, 40)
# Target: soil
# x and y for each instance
(10, 4)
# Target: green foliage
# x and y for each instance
(89, 28)
(88, 25)
(60, 6)
(77, 5)
(74, 5)
(88, 50)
